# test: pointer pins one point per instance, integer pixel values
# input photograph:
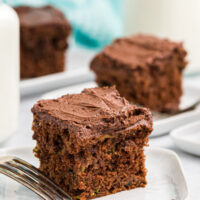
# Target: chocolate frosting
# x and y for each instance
(37, 16)
(140, 50)
(88, 106)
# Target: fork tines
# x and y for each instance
(32, 178)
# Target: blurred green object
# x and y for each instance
(95, 22)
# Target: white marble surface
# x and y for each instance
(191, 164)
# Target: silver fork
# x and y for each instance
(190, 108)
(32, 178)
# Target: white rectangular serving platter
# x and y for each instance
(165, 178)
(162, 123)
(77, 61)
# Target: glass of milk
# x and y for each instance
(9, 71)
(178, 20)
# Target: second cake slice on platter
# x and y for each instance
(146, 70)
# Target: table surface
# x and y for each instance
(23, 137)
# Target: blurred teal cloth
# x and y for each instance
(95, 22)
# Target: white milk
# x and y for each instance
(9, 71)
(178, 20)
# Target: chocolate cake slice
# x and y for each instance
(146, 70)
(92, 144)
(44, 32)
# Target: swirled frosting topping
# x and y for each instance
(141, 50)
(37, 16)
(88, 106)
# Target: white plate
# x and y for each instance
(77, 72)
(187, 138)
(162, 123)
(165, 178)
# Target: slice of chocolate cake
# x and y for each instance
(92, 144)
(146, 70)
(44, 32)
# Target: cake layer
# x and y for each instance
(95, 170)
(93, 180)
(47, 63)
(158, 90)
